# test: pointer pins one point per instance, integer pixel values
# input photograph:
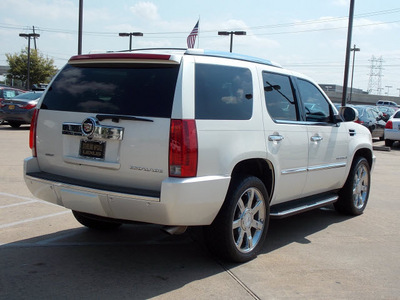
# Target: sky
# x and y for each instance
(307, 36)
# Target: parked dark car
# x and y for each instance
(386, 111)
(370, 118)
(19, 110)
(7, 92)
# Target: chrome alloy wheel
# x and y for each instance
(249, 220)
(360, 186)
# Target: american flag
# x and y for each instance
(191, 39)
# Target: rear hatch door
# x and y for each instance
(104, 121)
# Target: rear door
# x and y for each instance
(107, 122)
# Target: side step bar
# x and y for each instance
(287, 209)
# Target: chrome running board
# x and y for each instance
(287, 209)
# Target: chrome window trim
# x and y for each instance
(100, 131)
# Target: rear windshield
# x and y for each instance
(139, 90)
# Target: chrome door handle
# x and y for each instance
(275, 138)
(316, 138)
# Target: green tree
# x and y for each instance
(42, 69)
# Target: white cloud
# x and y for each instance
(145, 10)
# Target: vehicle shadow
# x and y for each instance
(7, 127)
(136, 261)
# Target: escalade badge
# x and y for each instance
(88, 126)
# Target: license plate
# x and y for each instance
(11, 106)
(93, 149)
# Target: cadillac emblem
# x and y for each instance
(88, 127)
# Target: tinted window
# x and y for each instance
(134, 90)
(316, 107)
(279, 97)
(223, 92)
(8, 94)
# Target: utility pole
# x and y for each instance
(80, 27)
(34, 38)
(29, 36)
(348, 47)
(354, 49)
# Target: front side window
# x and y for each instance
(223, 92)
(279, 97)
(317, 108)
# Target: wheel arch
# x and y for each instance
(367, 154)
(257, 167)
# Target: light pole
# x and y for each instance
(231, 33)
(354, 49)
(28, 36)
(130, 34)
(388, 87)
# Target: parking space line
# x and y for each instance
(33, 219)
(17, 196)
(27, 198)
(20, 203)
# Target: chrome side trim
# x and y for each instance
(292, 171)
(100, 131)
(313, 168)
(327, 167)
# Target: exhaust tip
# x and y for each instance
(174, 230)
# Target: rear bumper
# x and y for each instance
(17, 116)
(183, 202)
(392, 135)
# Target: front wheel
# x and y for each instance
(239, 230)
(353, 197)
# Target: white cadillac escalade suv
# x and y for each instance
(194, 138)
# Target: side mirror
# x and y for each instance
(348, 114)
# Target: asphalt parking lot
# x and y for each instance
(45, 253)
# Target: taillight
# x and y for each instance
(389, 125)
(183, 151)
(32, 132)
(359, 121)
(29, 106)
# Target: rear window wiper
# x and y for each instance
(116, 118)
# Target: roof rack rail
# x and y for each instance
(147, 49)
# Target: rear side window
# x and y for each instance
(139, 90)
(223, 92)
(279, 97)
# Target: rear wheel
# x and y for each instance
(91, 221)
(238, 232)
(353, 197)
(14, 124)
(389, 143)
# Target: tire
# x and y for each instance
(389, 143)
(14, 124)
(353, 197)
(239, 230)
(94, 222)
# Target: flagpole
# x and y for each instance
(198, 35)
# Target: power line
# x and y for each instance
(260, 27)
